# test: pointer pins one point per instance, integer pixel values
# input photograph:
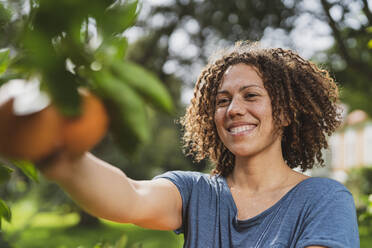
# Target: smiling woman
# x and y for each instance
(256, 114)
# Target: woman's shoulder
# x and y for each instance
(318, 197)
(323, 183)
(188, 177)
(327, 211)
(184, 174)
(193, 182)
(321, 186)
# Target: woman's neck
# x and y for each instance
(259, 177)
(260, 173)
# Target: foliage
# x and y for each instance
(360, 184)
(33, 229)
(5, 175)
(201, 26)
(121, 243)
(67, 45)
(350, 57)
(178, 36)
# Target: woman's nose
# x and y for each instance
(235, 108)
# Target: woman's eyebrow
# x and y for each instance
(249, 86)
(240, 89)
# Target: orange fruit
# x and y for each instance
(37, 135)
(32, 136)
(82, 133)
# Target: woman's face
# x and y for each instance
(243, 115)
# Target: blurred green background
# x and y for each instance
(172, 39)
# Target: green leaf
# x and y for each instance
(119, 17)
(7, 77)
(4, 60)
(122, 242)
(5, 15)
(38, 50)
(99, 245)
(5, 173)
(369, 29)
(112, 50)
(63, 89)
(145, 84)
(28, 168)
(5, 211)
(369, 44)
(126, 109)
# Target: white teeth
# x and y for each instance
(240, 129)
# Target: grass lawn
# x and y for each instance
(365, 237)
(29, 229)
(66, 237)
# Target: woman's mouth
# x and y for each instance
(240, 130)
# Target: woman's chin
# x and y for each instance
(243, 152)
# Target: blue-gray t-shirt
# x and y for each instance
(317, 211)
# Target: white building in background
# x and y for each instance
(349, 147)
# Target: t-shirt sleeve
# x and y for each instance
(332, 222)
(184, 181)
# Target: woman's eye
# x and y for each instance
(222, 101)
(250, 96)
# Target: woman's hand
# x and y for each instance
(58, 164)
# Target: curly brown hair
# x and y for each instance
(300, 91)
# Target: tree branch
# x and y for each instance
(336, 32)
(367, 11)
(354, 64)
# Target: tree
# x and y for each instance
(359, 182)
(350, 58)
(53, 42)
(201, 26)
(204, 25)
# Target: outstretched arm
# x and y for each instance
(106, 192)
